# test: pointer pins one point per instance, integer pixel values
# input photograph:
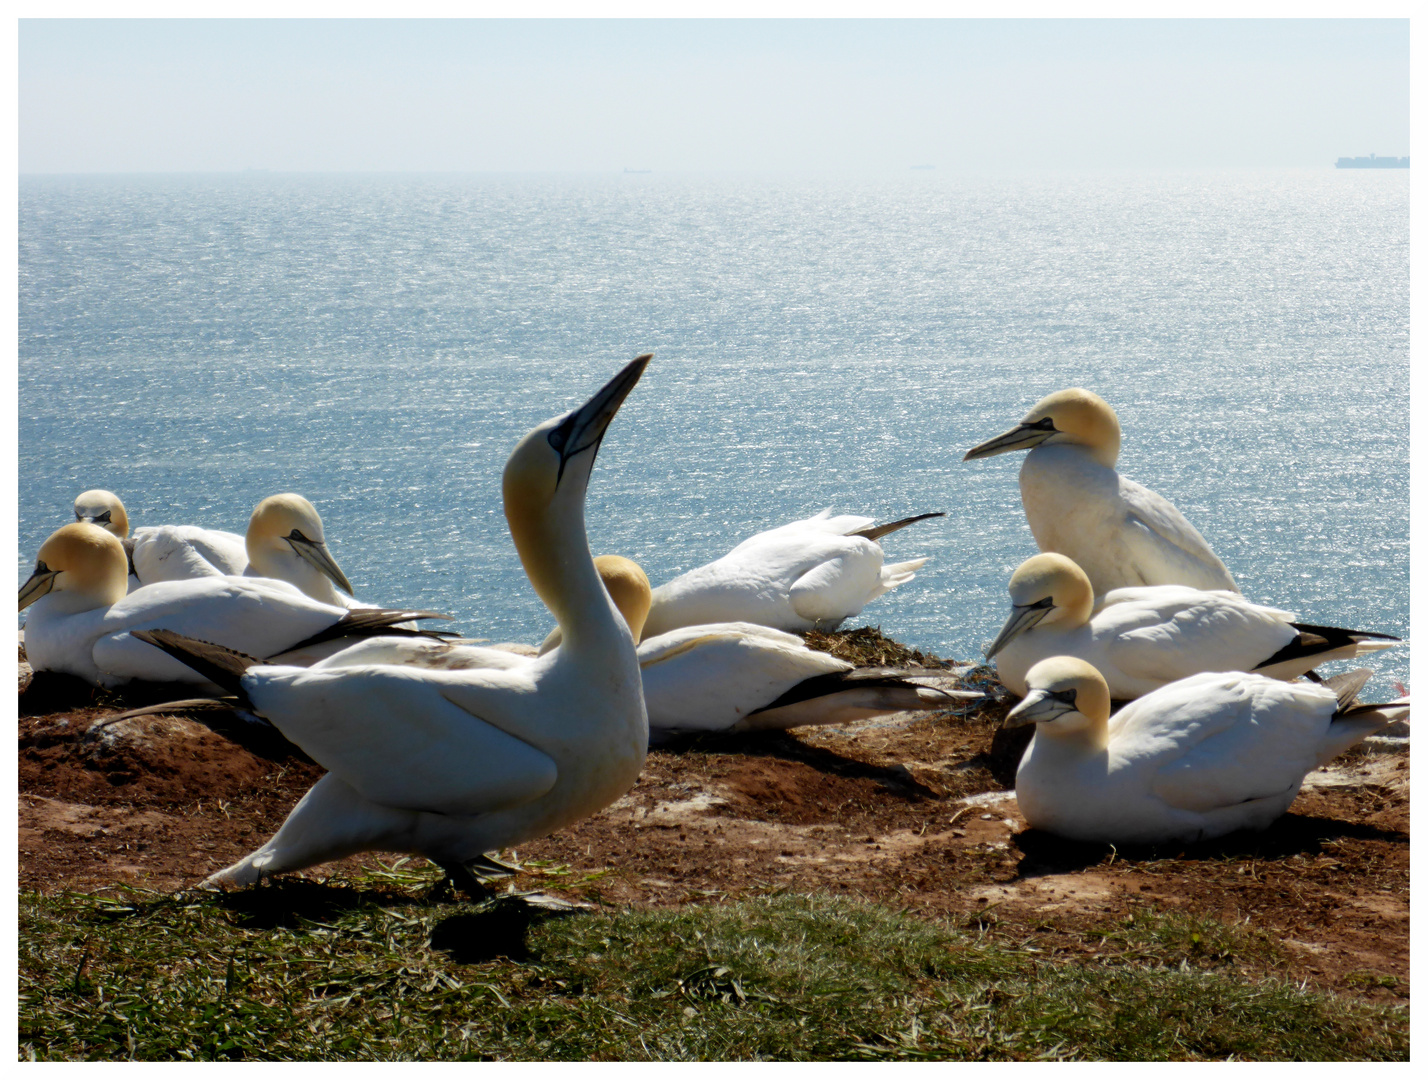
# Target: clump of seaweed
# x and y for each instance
(867, 646)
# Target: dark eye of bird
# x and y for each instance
(558, 437)
(1067, 696)
(1044, 424)
(104, 517)
(296, 534)
(41, 568)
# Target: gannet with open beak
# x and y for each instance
(82, 619)
(1141, 639)
(807, 575)
(451, 764)
(163, 552)
(1121, 534)
(1196, 759)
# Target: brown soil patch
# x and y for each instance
(878, 810)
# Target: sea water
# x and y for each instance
(379, 343)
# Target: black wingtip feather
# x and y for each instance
(371, 622)
(218, 664)
(877, 532)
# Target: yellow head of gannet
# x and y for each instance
(628, 587)
(102, 508)
(1073, 416)
(83, 561)
(1066, 698)
(543, 488)
(1048, 589)
(286, 525)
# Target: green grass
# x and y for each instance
(372, 969)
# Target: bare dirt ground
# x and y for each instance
(912, 810)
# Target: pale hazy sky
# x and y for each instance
(703, 95)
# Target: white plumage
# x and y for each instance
(1140, 639)
(807, 575)
(163, 552)
(1196, 759)
(1121, 534)
(454, 763)
(82, 619)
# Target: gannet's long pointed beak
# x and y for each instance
(315, 553)
(39, 583)
(1022, 437)
(585, 427)
(1039, 706)
(1022, 619)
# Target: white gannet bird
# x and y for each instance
(1193, 760)
(1119, 533)
(285, 541)
(807, 575)
(163, 552)
(82, 619)
(1141, 639)
(450, 764)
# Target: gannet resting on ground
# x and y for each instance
(807, 575)
(82, 618)
(1141, 639)
(163, 552)
(285, 541)
(1193, 760)
(453, 764)
(1121, 534)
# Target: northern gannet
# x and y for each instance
(1121, 534)
(82, 619)
(450, 764)
(1196, 759)
(163, 552)
(807, 575)
(285, 541)
(1141, 639)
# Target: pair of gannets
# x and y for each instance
(1196, 759)
(284, 542)
(1140, 639)
(83, 618)
(1121, 534)
(806, 575)
(450, 764)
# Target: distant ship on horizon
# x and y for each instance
(1373, 161)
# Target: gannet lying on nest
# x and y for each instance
(1196, 759)
(1141, 639)
(807, 575)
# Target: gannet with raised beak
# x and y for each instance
(1141, 639)
(1196, 759)
(163, 552)
(82, 619)
(451, 764)
(1121, 534)
(807, 575)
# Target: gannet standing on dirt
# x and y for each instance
(163, 552)
(1141, 639)
(82, 620)
(1196, 759)
(807, 575)
(453, 764)
(1121, 534)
